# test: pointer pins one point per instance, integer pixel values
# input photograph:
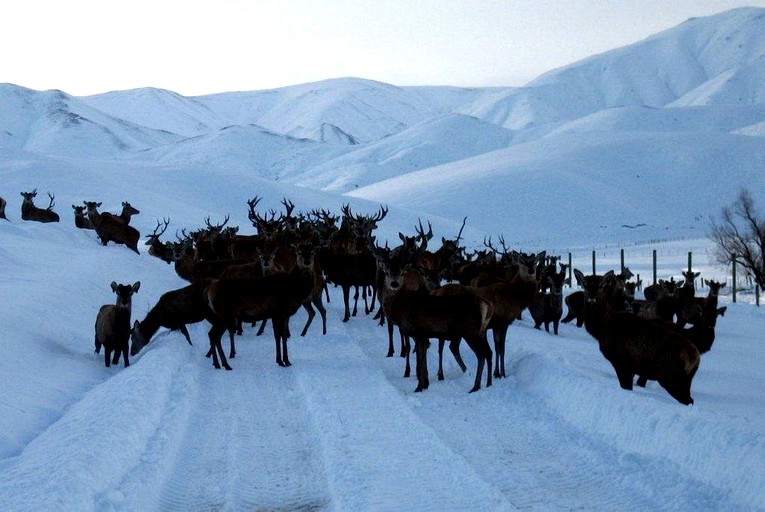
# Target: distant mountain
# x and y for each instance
(363, 109)
(54, 123)
(159, 109)
(716, 59)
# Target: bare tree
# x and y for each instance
(740, 234)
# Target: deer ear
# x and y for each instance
(579, 276)
(114, 286)
(401, 236)
(136, 286)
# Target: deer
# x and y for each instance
(157, 248)
(250, 299)
(547, 307)
(174, 310)
(81, 219)
(348, 260)
(421, 315)
(31, 212)
(2, 209)
(634, 345)
(684, 298)
(109, 229)
(127, 212)
(113, 324)
(509, 298)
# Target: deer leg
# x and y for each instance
(285, 338)
(216, 350)
(499, 334)
(116, 356)
(441, 342)
(625, 377)
(125, 355)
(98, 345)
(322, 312)
(555, 327)
(311, 313)
(231, 334)
(421, 347)
(185, 332)
(391, 351)
(262, 326)
(107, 357)
(355, 301)
(454, 346)
(346, 300)
(642, 381)
(407, 348)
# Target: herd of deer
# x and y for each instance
(444, 294)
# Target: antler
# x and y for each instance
(424, 237)
(289, 206)
(459, 235)
(217, 227)
(252, 203)
(159, 225)
(381, 215)
(50, 206)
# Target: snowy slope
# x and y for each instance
(443, 139)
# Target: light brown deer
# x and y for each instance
(31, 212)
(422, 315)
(113, 324)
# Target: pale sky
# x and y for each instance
(198, 47)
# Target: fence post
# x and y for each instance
(621, 255)
(734, 279)
(654, 266)
(757, 294)
(690, 258)
(593, 262)
(570, 269)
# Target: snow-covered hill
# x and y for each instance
(621, 150)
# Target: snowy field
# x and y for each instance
(342, 429)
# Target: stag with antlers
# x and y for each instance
(31, 212)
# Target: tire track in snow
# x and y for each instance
(245, 445)
(374, 461)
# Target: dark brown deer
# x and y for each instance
(108, 228)
(157, 248)
(509, 298)
(113, 324)
(30, 212)
(174, 310)
(422, 315)
(127, 212)
(81, 219)
(547, 307)
(685, 298)
(2, 209)
(348, 260)
(634, 345)
(276, 297)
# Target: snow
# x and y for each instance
(341, 429)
